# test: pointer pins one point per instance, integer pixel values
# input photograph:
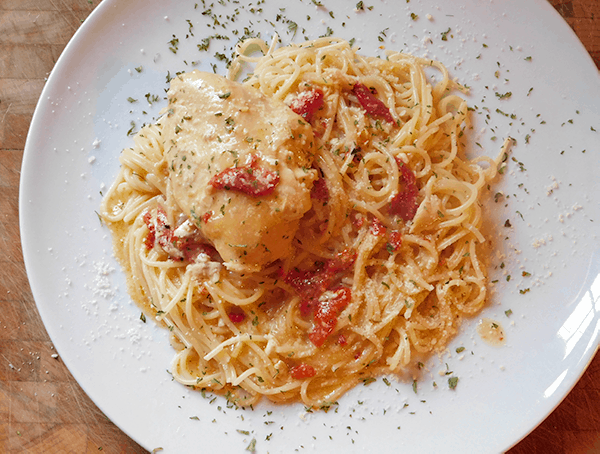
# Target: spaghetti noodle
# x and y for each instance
(309, 229)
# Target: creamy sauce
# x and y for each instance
(491, 332)
(214, 124)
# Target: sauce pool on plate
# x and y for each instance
(491, 332)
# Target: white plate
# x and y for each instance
(81, 124)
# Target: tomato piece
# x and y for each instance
(358, 220)
(307, 306)
(372, 105)
(404, 203)
(308, 283)
(307, 103)
(341, 262)
(151, 237)
(248, 179)
(320, 191)
(395, 241)
(326, 314)
(178, 248)
(312, 283)
(302, 371)
(377, 228)
(319, 334)
(164, 234)
(236, 316)
(328, 309)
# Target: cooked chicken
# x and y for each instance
(239, 167)
(428, 214)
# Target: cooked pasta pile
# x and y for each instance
(380, 264)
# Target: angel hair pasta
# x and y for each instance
(307, 229)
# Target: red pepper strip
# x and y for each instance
(405, 202)
(302, 370)
(327, 313)
(307, 103)
(372, 105)
(248, 179)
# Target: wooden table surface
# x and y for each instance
(42, 408)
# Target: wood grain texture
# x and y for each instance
(42, 408)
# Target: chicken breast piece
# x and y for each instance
(239, 167)
(428, 214)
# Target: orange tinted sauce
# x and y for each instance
(491, 332)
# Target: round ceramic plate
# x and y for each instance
(530, 79)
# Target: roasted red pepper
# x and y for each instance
(372, 105)
(249, 179)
